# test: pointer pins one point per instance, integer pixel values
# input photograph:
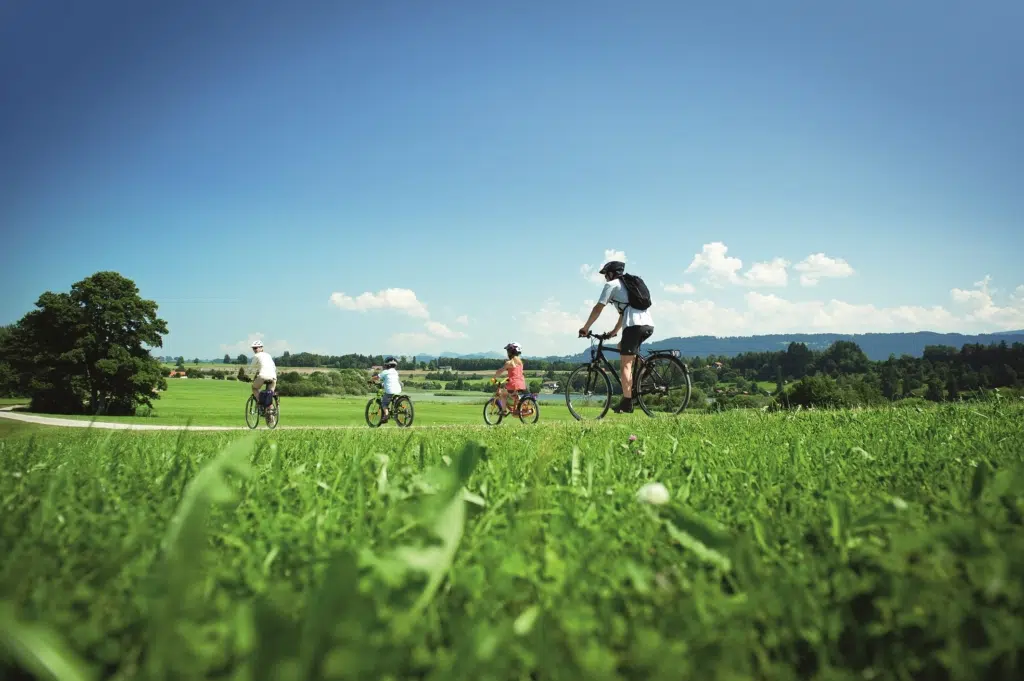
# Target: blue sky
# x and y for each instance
(420, 177)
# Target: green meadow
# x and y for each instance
(858, 544)
(222, 403)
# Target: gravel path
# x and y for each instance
(6, 413)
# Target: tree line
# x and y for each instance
(89, 351)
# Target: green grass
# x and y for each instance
(222, 403)
(872, 544)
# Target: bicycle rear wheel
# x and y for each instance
(529, 410)
(403, 412)
(374, 412)
(588, 392)
(252, 413)
(663, 388)
(272, 414)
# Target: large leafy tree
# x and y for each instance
(87, 350)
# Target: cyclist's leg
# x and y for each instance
(257, 383)
(632, 337)
(385, 400)
(272, 387)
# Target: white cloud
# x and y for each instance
(401, 299)
(820, 266)
(981, 307)
(552, 320)
(769, 313)
(683, 289)
(720, 269)
(441, 331)
(592, 272)
(767, 273)
(244, 347)
(462, 319)
(410, 342)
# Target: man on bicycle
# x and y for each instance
(638, 327)
(266, 370)
(392, 386)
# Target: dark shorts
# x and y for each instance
(632, 337)
(385, 400)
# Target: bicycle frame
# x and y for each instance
(515, 399)
(597, 358)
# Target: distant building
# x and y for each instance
(549, 385)
(444, 368)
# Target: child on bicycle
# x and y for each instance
(392, 386)
(516, 379)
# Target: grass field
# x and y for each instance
(873, 544)
(222, 403)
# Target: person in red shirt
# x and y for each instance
(516, 380)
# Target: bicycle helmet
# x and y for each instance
(515, 348)
(391, 362)
(257, 344)
(613, 267)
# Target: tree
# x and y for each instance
(195, 361)
(797, 360)
(953, 388)
(241, 374)
(85, 349)
(227, 358)
(8, 379)
(890, 380)
(242, 359)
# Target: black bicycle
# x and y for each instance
(268, 406)
(400, 410)
(661, 383)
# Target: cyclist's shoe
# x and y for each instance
(384, 419)
(624, 407)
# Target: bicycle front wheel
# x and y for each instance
(492, 412)
(588, 392)
(374, 413)
(252, 413)
(663, 388)
(403, 412)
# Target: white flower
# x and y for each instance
(653, 493)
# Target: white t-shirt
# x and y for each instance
(615, 293)
(265, 367)
(389, 377)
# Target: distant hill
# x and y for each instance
(877, 346)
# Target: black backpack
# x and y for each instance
(639, 296)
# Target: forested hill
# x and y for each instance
(877, 346)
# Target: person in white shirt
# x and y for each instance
(392, 386)
(266, 370)
(637, 326)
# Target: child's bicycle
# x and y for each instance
(525, 407)
(400, 409)
(268, 407)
